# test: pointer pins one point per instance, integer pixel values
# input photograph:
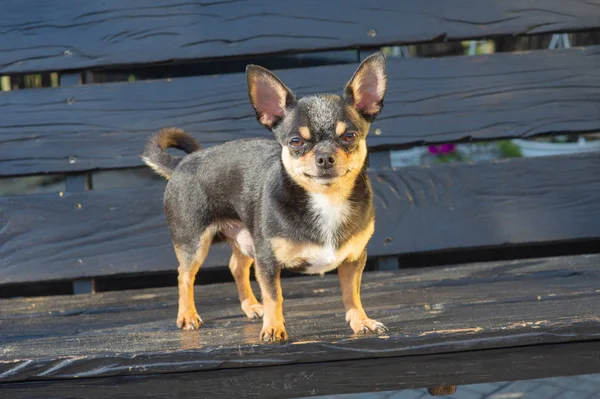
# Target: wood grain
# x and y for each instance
(449, 207)
(500, 203)
(74, 34)
(428, 101)
(443, 312)
(333, 378)
(97, 233)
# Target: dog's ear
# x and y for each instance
(268, 95)
(366, 89)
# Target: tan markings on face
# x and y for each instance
(352, 162)
(348, 166)
(340, 128)
(296, 167)
(354, 117)
(304, 132)
(293, 254)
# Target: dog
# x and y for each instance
(301, 202)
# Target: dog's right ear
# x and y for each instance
(367, 87)
(268, 95)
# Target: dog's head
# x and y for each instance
(323, 137)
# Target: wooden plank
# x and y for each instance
(80, 183)
(449, 311)
(493, 204)
(83, 235)
(76, 34)
(334, 378)
(77, 183)
(428, 101)
(418, 209)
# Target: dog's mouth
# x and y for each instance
(325, 178)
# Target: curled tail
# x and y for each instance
(158, 159)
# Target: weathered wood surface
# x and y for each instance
(448, 207)
(332, 378)
(98, 233)
(428, 101)
(74, 34)
(452, 315)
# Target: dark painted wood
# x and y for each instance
(77, 183)
(447, 314)
(500, 203)
(80, 183)
(428, 101)
(380, 159)
(73, 34)
(83, 286)
(387, 263)
(447, 207)
(325, 378)
(84, 235)
(70, 79)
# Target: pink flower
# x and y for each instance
(441, 149)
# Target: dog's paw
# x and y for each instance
(367, 325)
(252, 310)
(273, 334)
(189, 321)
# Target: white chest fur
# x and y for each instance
(329, 217)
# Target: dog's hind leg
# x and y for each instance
(190, 259)
(240, 269)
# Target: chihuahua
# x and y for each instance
(301, 202)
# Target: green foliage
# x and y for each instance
(508, 149)
(450, 157)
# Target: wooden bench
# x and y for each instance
(511, 291)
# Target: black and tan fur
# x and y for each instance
(302, 202)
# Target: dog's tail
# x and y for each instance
(158, 159)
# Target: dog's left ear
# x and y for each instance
(270, 98)
(367, 87)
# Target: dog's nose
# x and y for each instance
(325, 161)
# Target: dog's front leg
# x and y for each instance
(350, 273)
(268, 275)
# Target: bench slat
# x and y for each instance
(75, 34)
(449, 207)
(335, 378)
(435, 313)
(429, 100)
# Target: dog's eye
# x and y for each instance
(296, 142)
(350, 137)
